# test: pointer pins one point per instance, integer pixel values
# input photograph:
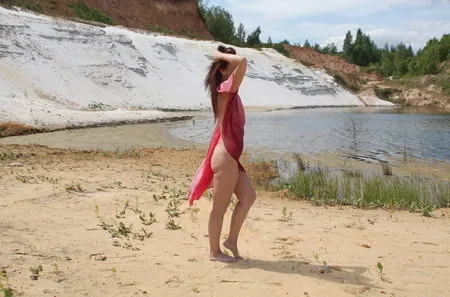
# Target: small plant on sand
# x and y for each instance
(172, 225)
(24, 179)
(121, 215)
(75, 188)
(169, 193)
(136, 209)
(56, 269)
(285, 214)
(35, 272)
(147, 221)
(117, 231)
(427, 211)
(3, 287)
(123, 230)
(173, 208)
(114, 272)
(142, 235)
(173, 211)
(380, 270)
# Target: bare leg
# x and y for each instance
(224, 182)
(246, 196)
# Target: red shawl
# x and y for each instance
(232, 132)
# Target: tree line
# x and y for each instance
(397, 60)
(220, 24)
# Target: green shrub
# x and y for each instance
(23, 4)
(86, 13)
(159, 29)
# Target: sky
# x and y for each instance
(413, 22)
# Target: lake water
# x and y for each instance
(372, 134)
(367, 133)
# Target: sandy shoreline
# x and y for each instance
(54, 202)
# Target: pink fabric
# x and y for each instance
(232, 133)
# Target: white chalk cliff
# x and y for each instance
(58, 73)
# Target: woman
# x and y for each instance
(221, 168)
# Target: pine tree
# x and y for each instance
(317, 47)
(307, 44)
(348, 44)
(241, 34)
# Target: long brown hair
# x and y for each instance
(214, 77)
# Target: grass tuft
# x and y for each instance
(162, 30)
(23, 4)
(386, 168)
(321, 187)
(89, 14)
(262, 173)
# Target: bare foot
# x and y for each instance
(233, 249)
(221, 257)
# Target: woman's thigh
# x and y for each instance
(225, 175)
(244, 190)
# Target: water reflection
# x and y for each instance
(368, 133)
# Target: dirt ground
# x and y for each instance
(84, 217)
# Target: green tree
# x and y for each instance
(401, 59)
(348, 44)
(330, 48)
(317, 47)
(363, 50)
(253, 38)
(444, 48)
(241, 34)
(269, 41)
(219, 23)
(307, 44)
(428, 60)
(386, 65)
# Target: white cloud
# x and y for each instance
(289, 9)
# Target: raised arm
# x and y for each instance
(240, 67)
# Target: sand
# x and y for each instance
(54, 202)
